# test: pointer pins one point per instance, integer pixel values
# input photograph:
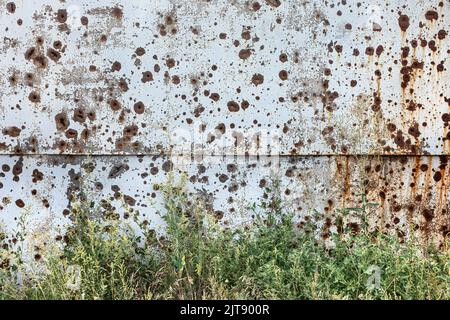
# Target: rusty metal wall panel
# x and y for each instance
(411, 192)
(323, 77)
(346, 97)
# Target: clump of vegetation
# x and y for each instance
(199, 259)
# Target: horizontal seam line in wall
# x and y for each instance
(216, 155)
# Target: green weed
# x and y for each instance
(199, 259)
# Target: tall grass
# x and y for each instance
(198, 259)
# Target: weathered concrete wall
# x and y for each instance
(337, 98)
